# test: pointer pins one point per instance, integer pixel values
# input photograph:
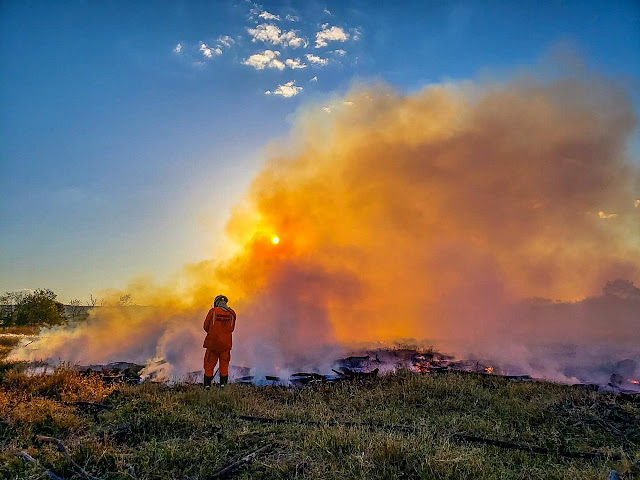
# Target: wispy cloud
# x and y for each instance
(314, 79)
(339, 52)
(269, 16)
(333, 34)
(255, 10)
(295, 63)
(292, 18)
(287, 90)
(208, 51)
(226, 40)
(178, 48)
(266, 59)
(316, 60)
(356, 33)
(269, 33)
(331, 107)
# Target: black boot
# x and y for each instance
(223, 380)
(207, 382)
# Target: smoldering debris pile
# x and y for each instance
(362, 365)
(116, 372)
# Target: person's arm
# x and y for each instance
(233, 322)
(207, 321)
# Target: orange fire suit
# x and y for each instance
(219, 325)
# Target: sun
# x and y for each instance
(275, 240)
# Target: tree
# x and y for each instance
(622, 289)
(76, 310)
(125, 300)
(95, 301)
(38, 307)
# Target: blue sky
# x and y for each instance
(121, 155)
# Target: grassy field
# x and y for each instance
(10, 336)
(160, 432)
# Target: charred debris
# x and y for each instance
(367, 366)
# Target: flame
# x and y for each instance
(489, 370)
(423, 367)
(633, 380)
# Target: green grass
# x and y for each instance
(160, 432)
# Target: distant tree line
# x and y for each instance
(37, 307)
(40, 308)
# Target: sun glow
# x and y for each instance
(275, 240)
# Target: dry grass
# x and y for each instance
(158, 432)
(25, 330)
(10, 336)
(7, 343)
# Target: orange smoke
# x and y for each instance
(424, 216)
(399, 215)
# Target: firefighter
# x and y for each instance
(219, 325)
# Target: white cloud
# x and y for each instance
(292, 18)
(356, 34)
(226, 40)
(636, 203)
(339, 52)
(266, 33)
(295, 41)
(605, 216)
(269, 16)
(287, 90)
(327, 11)
(295, 63)
(209, 52)
(333, 34)
(266, 59)
(316, 60)
(329, 108)
(314, 79)
(269, 33)
(178, 48)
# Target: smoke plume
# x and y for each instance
(485, 217)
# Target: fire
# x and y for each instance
(423, 367)
(489, 370)
(633, 380)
